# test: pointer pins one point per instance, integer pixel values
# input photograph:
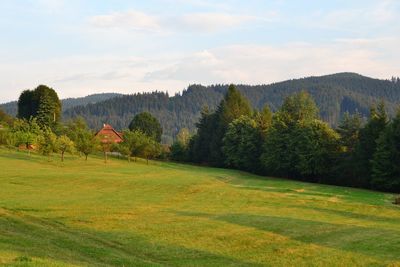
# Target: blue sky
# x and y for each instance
(80, 47)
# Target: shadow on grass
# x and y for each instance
(49, 239)
(300, 188)
(354, 215)
(383, 244)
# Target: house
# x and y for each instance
(108, 135)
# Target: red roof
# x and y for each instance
(109, 135)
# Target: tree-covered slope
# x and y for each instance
(11, 108)
(334, 94)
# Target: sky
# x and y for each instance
(81, 47)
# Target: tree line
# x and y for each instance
(334, 94)
(295, 143)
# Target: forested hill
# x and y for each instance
(334, 94)
(11, 108)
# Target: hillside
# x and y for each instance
(11, 108)
(334, 94)
(130, 214)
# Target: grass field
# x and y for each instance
(130, 214)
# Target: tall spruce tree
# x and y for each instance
(199, 145)
(349, 131)
(366, 146)
(231, 107)
(386, 159)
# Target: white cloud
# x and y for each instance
(212, 22)
(255, 64)
(131, 20)
(199, 22)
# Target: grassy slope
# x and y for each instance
(168, 214)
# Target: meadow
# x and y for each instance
(81, 213)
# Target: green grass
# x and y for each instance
(165, 214)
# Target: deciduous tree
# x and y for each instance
(149, 125)
(64, 144)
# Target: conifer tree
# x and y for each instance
(264, 119)
(349, 130)
(366, 146)
(242, 145)
(298, 145)
(386, 159)
(231, 107)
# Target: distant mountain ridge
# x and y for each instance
(334, 95)
(11, 108)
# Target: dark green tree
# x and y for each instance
(199, 144)
(43, 103)
(349, 131)
(231, 107)
(299, 107)
(27, 106)
(45, 115)
(242, 144)
(315, 146)
(298, 145)
(366, 146)
(277, 154)
(147, 124)
(386, 159)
